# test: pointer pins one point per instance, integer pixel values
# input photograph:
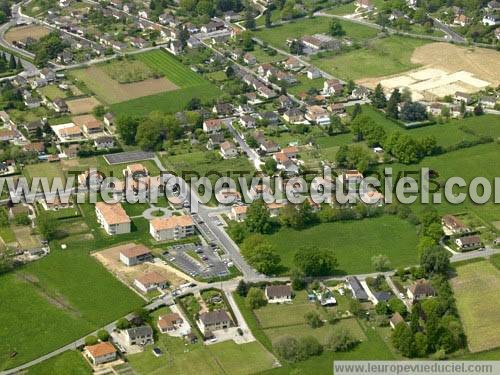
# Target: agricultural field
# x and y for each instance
(388, 235)
(277, 35)
(128, 70)
(68, 292)
(378, 57)
(22, 32)
(476, 287)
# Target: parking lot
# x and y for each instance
(197, 260)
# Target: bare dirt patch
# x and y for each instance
(111, 91)
(22, 32)
(110, 258)
(84, 105)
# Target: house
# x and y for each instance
(356, 288)
(212, 26)
(143, 14)
(59, 105)
(351, 178)
(336, 108)
(313, 73)
(269, 147)
(228, 150)
(135, 171)
(7, 135)
(461, 20)
(491, 19)
(266, 92)
(169, 322)
(285, 101)
(420, 289)
(488, 101)
(104, 142)
(332, 87)
(318, 115)
(142, 335)
(435, 108)
(166, 19)
(150, 281)
(463, 97)
(293, 64)
(38, 147)
(278, 293)
(72, 151)
(32, 127)
(193, 42)
(247, 122)
(494, 5)
(132, 254)
(249, 59)
(293, 116)
(290, 152)
(100, 353)
(55, 204)
(31, 102)
(360, 93)
(214, 140)
(270, 118)
(468, 242)
(238, 213)
(47, 74)
(396, 318)
(364, 4)
(212, 125)
(222, 109)
(275, 208)
(65, 57)
(171, 228)
(70, 132)
(213, 321)
(92, 127)
(113, 218)
(454, 225)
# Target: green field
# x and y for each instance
(52, 92)
(128, 70)
(56, 300)
(353, 242)
(476, 288)
(379, 57)
(70, 362)
(278, 35)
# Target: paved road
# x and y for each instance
(454, 36)
(252, 155)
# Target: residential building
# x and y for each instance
(293, 64)
(275, 208)
(213, 321)
(278, 293)
(222, 109)
(290, 152)
(228, 150)
(113, 218)
(269, 147)
(59, 105)
(313, 73)
(365, 4)
(238, 213)
(491, 19)
(461, 20)
(100, 353)
(488, 101)
(150, 281)
(104, 142)
(396, 318)
(171, 228)
(285, 101)
(212, 125)
(109, 119)
(249, 59)
(463, 97)
(142, 335)
(420, 289)
(170, 322)
(454, 225)
(356, 288)
(468, 242)
(332, 87)
(293, 116)
(247, 122)
(318, 114)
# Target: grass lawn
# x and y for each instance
(305, 84)
(70, 362)
(495, 260)
(7, 234)
(53, 92)
(47, 170)
(379, 58)
(321, 333)
(354, 243)
(115, 170)
(342, 9)
(274, 315)
(476, 288)
(278, 35)
(263, 56)
(69, 293)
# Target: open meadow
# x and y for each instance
(22, 32)
(477, 287)
(354, 243)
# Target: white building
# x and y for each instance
(113, 218)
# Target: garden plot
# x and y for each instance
(83, 105)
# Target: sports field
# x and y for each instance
(476, 288)
(353, 242)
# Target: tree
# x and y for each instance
(381, 262)
(242, 288)
(249, 18)
(313, 319)
(268, 21)
(298, 280)
(22, 219)
(193, 104)
(413, 111)
(126, 127)
(356, 111)
(403, 340)
(12, 62)
(309, 346)
(287, 348)
(270, 166)
(434, 231)
(392, 104)
(238, 232)
(421, 346)
(382, 308)
(247, 41)
(478, 110)
(397, 306)
(313, 261)
(296, 47)
(255, 298)
(258, 217)
(335, 28)
(103, 335)
(260, 254)
(340, 340)
(99, 111)
(122, 324)
(47, 226)
(378, 98)
(435, 260)
(354, 306)
(91, 340)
